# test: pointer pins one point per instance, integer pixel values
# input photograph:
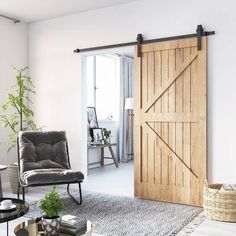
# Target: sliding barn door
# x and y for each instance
(170, 121)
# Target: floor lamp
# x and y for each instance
(129, 106)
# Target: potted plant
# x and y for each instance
(51, 205)
(107, 135)
(17, 116)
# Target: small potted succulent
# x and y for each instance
(51, 205)
(107, 135)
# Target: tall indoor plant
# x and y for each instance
(16, 114)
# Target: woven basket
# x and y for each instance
(13, 176)
(219, 204)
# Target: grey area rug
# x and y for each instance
(116, 216)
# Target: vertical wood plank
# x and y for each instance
(158, 108)
(151, 157)
(144, 79)
(144, 128)
(179, 109)
(165, 77)
(145, 153)
(202, 57)
(165, 108)
(171, 110)
(158, 84)
(151, 92)
(158, 162)
(186, 108)
(151, 81)
(194, 146)
(186, 126)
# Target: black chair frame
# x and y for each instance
(23, 186)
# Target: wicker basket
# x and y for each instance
(13, 176)
(219, 204)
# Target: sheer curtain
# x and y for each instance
(126, 90)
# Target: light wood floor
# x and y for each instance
(117, 181)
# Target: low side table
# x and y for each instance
(102, 147)
(33, 227)
(2, 167)
(21, 209)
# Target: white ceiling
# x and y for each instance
(36, 10)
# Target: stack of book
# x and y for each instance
(73, 225)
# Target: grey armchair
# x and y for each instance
(43, 159)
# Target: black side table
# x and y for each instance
(21, 209)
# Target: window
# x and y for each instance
(103, 85)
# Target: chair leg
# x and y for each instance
(80, 194)
(18, 191)
(23, 193)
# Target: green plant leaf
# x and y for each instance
(16, 114)
(52, 205)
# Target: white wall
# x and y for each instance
(56, 69)
(13, 51)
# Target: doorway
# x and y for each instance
(109, 120)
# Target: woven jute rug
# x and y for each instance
(116, 216)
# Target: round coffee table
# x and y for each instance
(21, 209)
(33, 227)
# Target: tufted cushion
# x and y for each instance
(43, 150)
(44, 176)
(50, 137)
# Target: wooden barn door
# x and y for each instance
(170, 121)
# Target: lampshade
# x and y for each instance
(129, 103)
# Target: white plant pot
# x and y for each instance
(51, 226)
